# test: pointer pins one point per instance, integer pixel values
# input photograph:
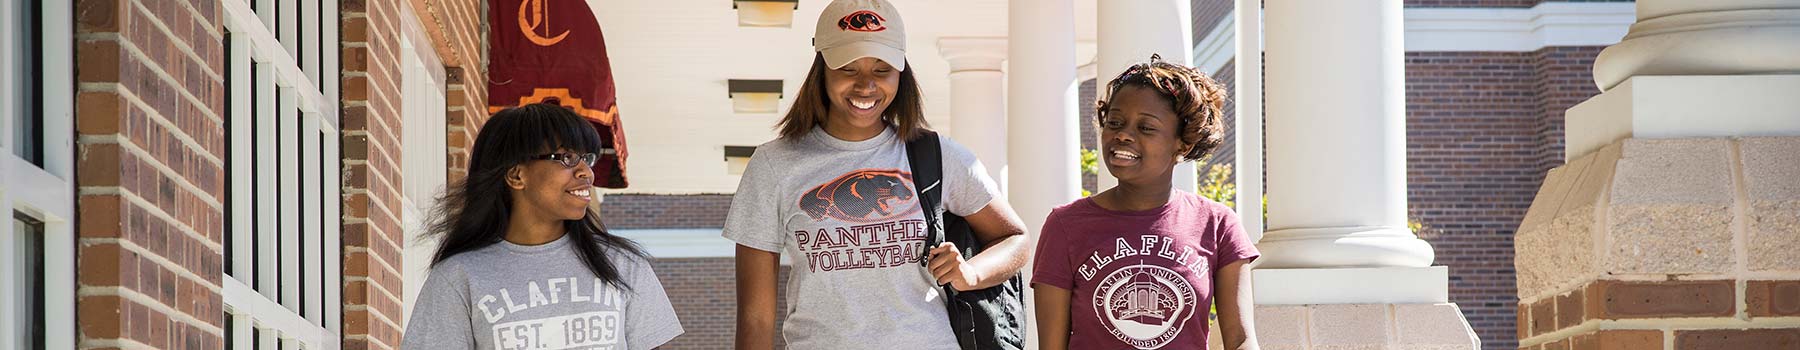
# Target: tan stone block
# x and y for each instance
(1597, 179)
(1422, 326)
(1669, 238)
(1350, 326)
(1673, 171)
(1557, 254)
(1771, 167)
(1283, 325)
(1550, 196)
(1773, 234)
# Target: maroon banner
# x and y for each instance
(552, 50)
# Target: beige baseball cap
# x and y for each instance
(853, 29)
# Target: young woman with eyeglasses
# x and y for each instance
(524, 263)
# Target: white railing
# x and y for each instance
(284, 288)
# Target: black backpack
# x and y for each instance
(983, 318)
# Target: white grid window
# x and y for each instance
(423, 140)
(282, 285)
(37, 277)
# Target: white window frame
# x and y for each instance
(274, 305)
(46, 193)
(425, 141)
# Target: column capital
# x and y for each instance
(1721, 37)
(973, 53)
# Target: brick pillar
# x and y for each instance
(150, 174)
(372, 179)
(1675, 224)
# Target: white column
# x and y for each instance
(978, 99)
(1336, 137)
(1129, 32)
(1040, 108)
(1041, 150)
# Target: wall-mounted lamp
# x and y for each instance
(754, 96)
(737, 158)
(766, 13)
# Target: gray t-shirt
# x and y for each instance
(846, 215)
(510, 296)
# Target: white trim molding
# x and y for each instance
(1474, 29)
(1517, 30)
(1218, 46)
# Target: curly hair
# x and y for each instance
(1197, 99)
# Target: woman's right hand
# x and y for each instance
(756, 273)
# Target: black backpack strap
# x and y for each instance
(926, 157)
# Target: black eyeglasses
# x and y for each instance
(570, 159)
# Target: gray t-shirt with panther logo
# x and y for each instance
(846, 216)
(510, 296)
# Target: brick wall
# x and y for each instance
(634, 211)
(372, 179)
(1226, 153)
(706, 289)
(150, 176)
(1564, 77)
(1207, 14)
(1471, 173)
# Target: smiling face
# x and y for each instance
(552, 190)
(1140, 136)
(860, 93)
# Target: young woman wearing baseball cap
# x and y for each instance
(835, 194)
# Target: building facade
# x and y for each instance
(253, 174)
(227, 174)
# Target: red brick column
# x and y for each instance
(372, 179)
(150, 143)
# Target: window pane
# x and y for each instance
(27, 122)
(28, 265)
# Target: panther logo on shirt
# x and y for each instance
(864, 195)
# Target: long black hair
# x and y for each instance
(473, 214)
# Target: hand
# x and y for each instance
(948, 267)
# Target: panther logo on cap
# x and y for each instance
(862, 21)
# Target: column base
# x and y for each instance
(1438, 326)
(1373, 285)
(1371, 246)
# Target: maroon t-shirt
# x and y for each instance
(1141, 279)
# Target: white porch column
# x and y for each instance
(978, 99)
(1043, 162)
(1040, 108)
(1129, 32)
(1338, 260)
(1336, 137)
